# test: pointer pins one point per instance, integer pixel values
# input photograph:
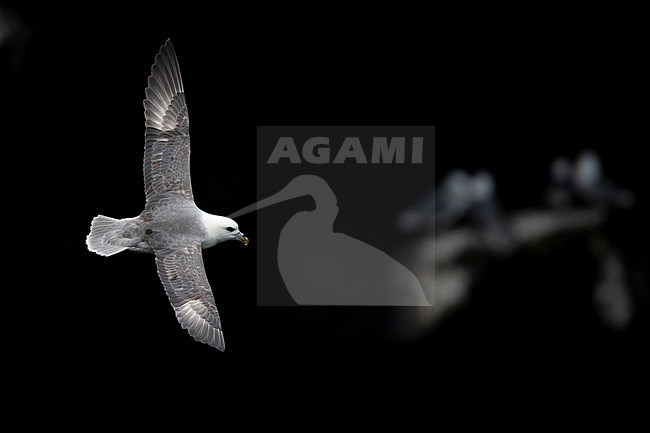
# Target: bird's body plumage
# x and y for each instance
(171, 226)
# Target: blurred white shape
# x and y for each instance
(453, 199)
(586, 182)
(442, 207)
(450, 261)
(594, 188)
(588, 170)
(484, 188)
(486, 210)
(532, 226)
(458, 196)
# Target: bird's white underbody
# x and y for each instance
(171, 226)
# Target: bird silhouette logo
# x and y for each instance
(323, 267)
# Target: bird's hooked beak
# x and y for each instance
(241, 238)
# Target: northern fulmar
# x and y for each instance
(171, 226)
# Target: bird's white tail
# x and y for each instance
(102, 230)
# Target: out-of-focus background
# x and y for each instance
(535, 264)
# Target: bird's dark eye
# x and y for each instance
(230, 229)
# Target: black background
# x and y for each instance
(74, 114)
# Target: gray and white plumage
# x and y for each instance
(167, 134)
(171, 226)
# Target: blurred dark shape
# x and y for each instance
(559, 191)
(585, 183)
(450, 263)
(460, 197)
(612, 293)
(442, 207)
(474, 235)
(487, 212)
(14, 38)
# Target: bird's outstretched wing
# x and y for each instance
(183, 275)
(167, 134)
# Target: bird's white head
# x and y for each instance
(219, 229)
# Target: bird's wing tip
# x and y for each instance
(218, 342)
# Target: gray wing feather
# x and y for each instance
(183, 275)
(167, 135)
